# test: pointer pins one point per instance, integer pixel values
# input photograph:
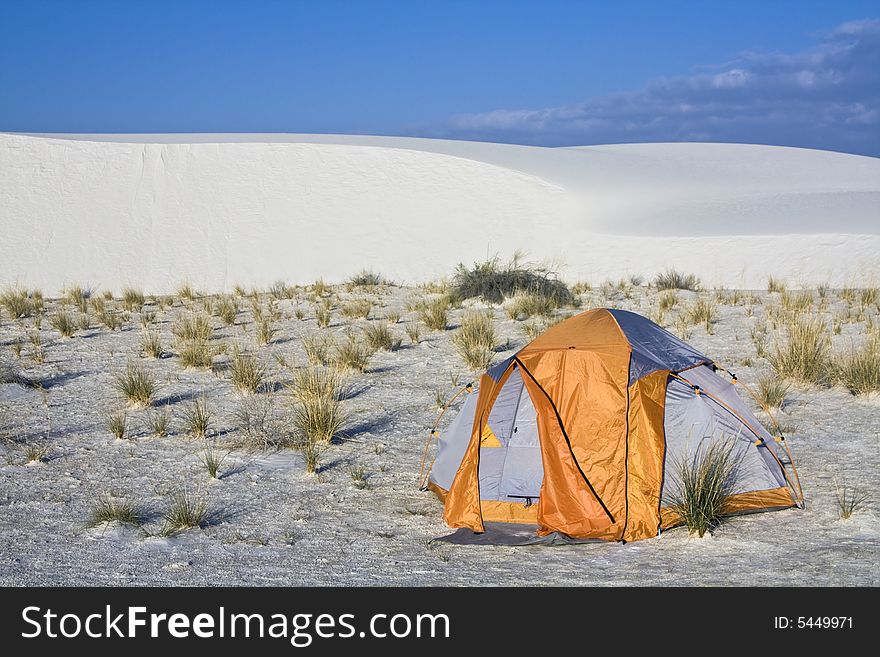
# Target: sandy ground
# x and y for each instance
(271, 524)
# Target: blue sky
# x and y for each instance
(548, 73)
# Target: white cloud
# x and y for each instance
(824, 97)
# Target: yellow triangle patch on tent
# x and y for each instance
(489, 439)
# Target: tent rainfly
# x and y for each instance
(573, 437)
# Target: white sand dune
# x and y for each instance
(152, 210)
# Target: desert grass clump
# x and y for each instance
(413, 332)
(672, 279)
(132, 299)
(247, 372)
(112, 321)
(117, 424)
(359, 477)
(323, 315)
(321, 289)
(265, 332)
(771, 391)
(392, 317)
(524, 305)
(476, 340)
(435, 313)
(137, 384)
(38, 352)
(668, 300)
(77, 296)
(195, 353)
(870, 296)
(17, 303)
(317, 348)
(151, 344)
(858, 369)
(311, 452)
(158, 422)
(213, 461)
(227, 309)
(36, 453)
(107, 509)
(186, 291)
(702, 312)
(804, 356)
(357, 308)
(259, 424)
(351, 354)
(186, 511)
(197, 417)
(63, 322)
(319, 419)
(775, 284)
(849, 499)
(281, 290)
(365, 278)
(494, 281)
(84, 322)
(796, 303)
(195, 326)
(379, 336)
(148, 318)
(703, 484)
(315, 382)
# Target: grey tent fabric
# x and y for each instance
(513, 471)
(654, 348)
(504, 533)
(693, 421)
(453, 443)
(498, 369)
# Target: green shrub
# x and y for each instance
(703, 484)
(672, 279)
(493, 281)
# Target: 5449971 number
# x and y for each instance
(813, 622)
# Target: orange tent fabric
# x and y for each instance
(599, 405)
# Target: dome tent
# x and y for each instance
(571, 438)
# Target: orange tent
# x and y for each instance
(573, 434)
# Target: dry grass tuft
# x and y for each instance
(151, 344)
(858, 369)
(476, 340)
(803, 357)
(137, 384)
(771, 392)
(434, 313)
(117, 424)
(317, 348)
(318, 419)
(63, 322)
(351, 354)
(111, 509)
(247, 372)
(132, 299)
(379, 336)
(357, 308)
(197, 417)
(775, 285)
(186, 511)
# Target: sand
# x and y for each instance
(271, 524)
(150, 210)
